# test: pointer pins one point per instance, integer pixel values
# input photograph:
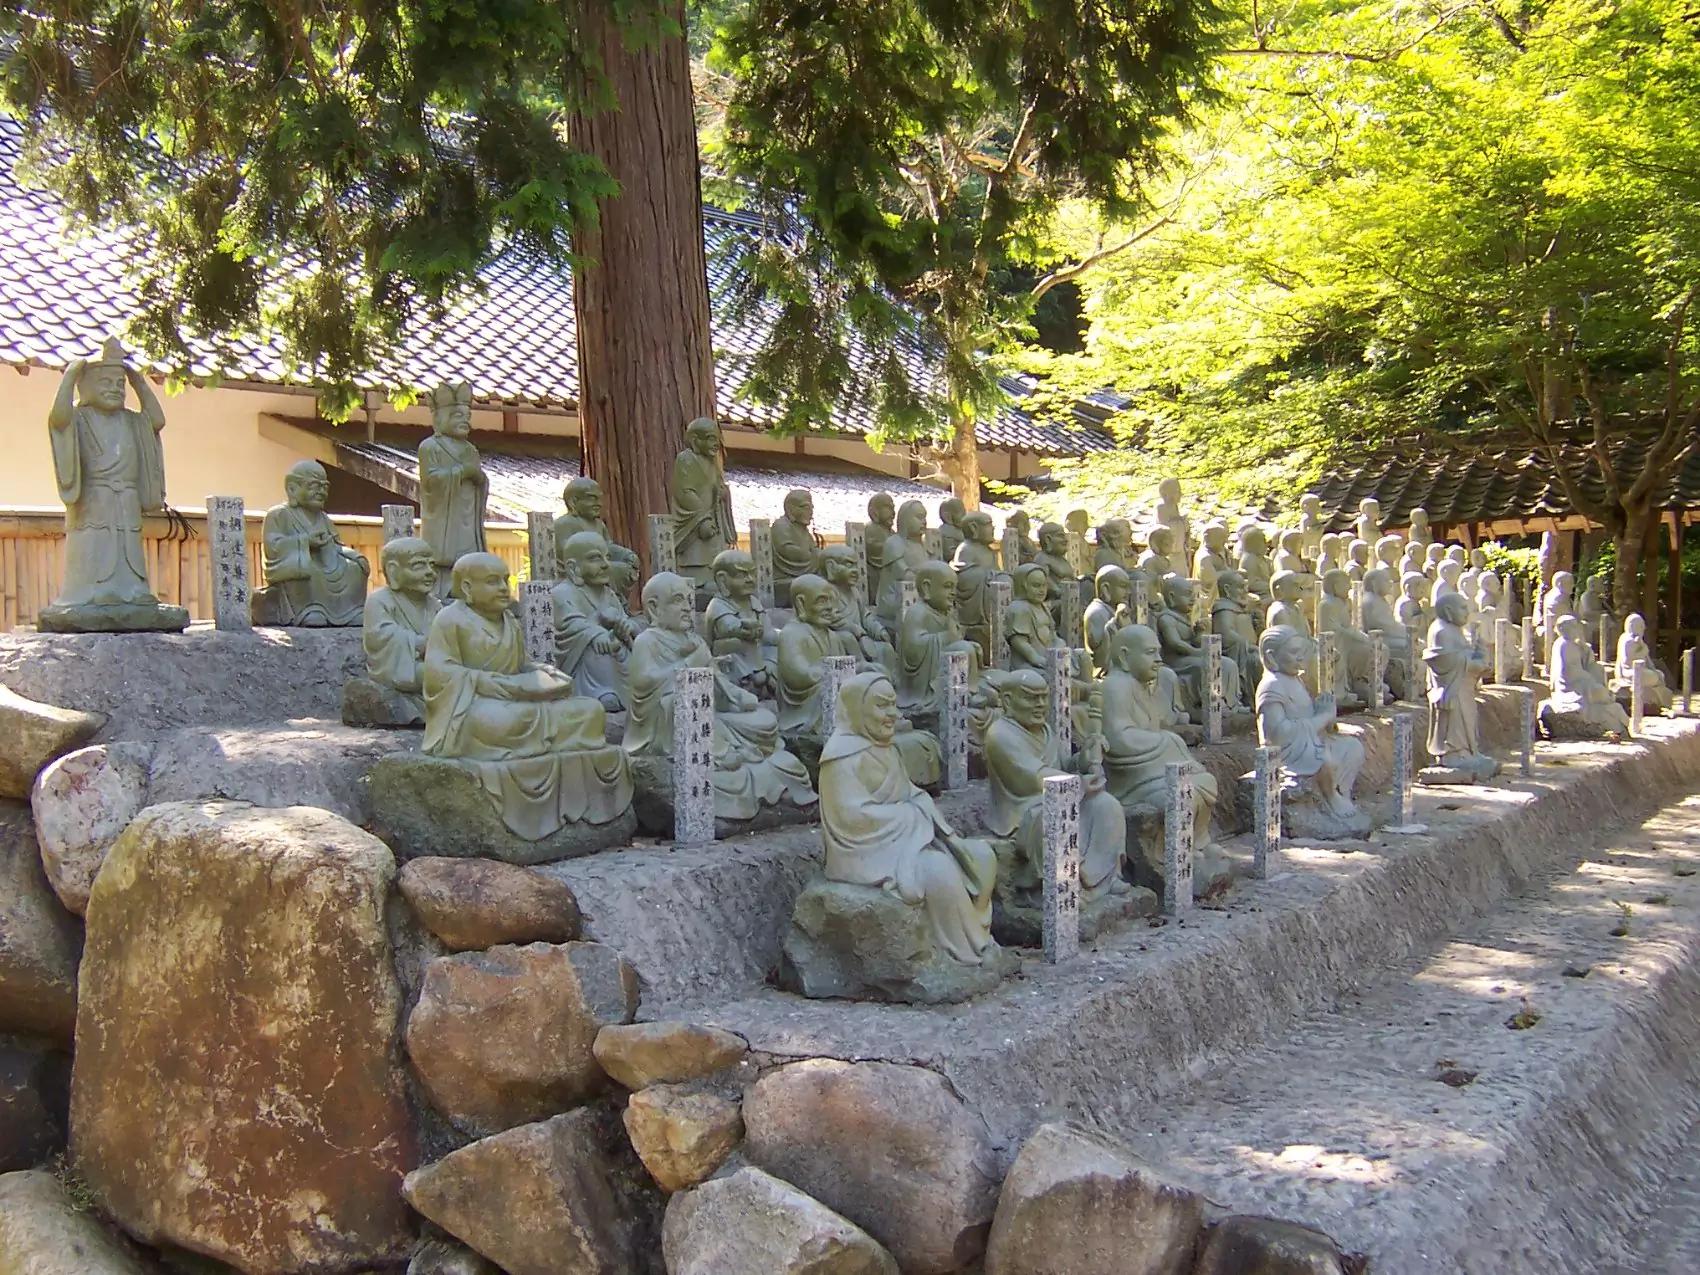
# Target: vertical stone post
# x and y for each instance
(1404, 768)
(1528, 649)
(761, 550)
(1526, 714)
(537, 621)
(953, 720)
(996, 610)
(1266, 813)
(838, 669)
(1141, 601)
(1358, 605)
(932, 540)
(1079, 557)
(1607, 642)
(1213, 688)
(663, 545)
(856, 540)
(1637, 695)
(1059, 678)
(1068, 614)
(227, 541)
(1177, 840)
(1327, 664)
(398, 521)
(1502, 651)
(1009, 549)
(540, 547)
(1377, 669)
(1061, 885)
(693, 756)
(1548, 638)
(1688, 681)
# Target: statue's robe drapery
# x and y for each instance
(865, 627)
(1017, 761)
(702, 513)
(543, 758)
(1286, 721)
(1257, 569)
(748, 661)
(452, 495)
(880, 830)
(976, 566)
(901, 559)
(583, 614)
(1291, 614)
(307, 585)
(1454, 667)
(393, 632)
(1034, 625)
(924, 639)
(751, 766)
(796, 549)
(110, 471)
(1229, 620)
(1138, 744)
(1108, 555)
(570, 524)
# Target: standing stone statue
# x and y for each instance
(1115, 545)
(1387, 551)
(1107, 612)
(796, 547)
(1255, 566)
(1158, 560)
(110, 469)
(951, 510)
(736, 624)
(593, 633)
(1556, 603)
(1456, 665)
(1022, 521)
(1420, 533)
(976, 566)
(1212, 557)
(1412, 608)
(1358, 559)
(452, 487)
(1312, 524)
(583, 499)
(1369, 520)
(882, 522)
(1288, 609)
(1593, 605)
(902, 910)
(1231, 620)
(1579, 705)
(905, 551)
(1632, 646)
(1169, 515)
(1301, 730)
(928, 633)
(313, 580)
(1183, 647)
(1356, 664)
(701, 502)
(1059, 571)
(396, 623)
(865, 626)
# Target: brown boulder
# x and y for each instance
(890, 1147)
(1077, 1204)
(1265, 1246)
(235, 1090)
(43, 1233)
(682, 1135)
(536, 1200)
(39, 942)
(33, 734)
(642, 1054)
(82, 803)
(477, 903)
(751, 1223)
(504, 1037)
(438, 1257)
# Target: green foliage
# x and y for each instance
(1515, 564)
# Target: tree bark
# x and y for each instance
(963, 460)
(645, 352)
(1629, 544)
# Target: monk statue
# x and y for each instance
(312, 579)
(736, 624)
(452, 486)
(1168, 514)
(1632, 646)
(1456, 665)
(905, 550)
(1028, 623)
(1379, 617)
(1410, 560)
(752, 768)
(1183, 647)
(929, 632)
(583, 499)
(1580, 705)
(882, 522)
(951, 510)
(1369, 520)
(1302, 732)
(1433, 555)
(1358, 559)
(593, 633)
(393, 633)
(110, 469)
(1107, 612)
(1355, 667)
(1292, 556)
(1255, 567)
(976, 565)
(1022, 524)
(1158, 559)
(1593, 605)
(1558, 601)
(1211, 559)
(796, 546)
(1412, 607)
(1312, 524)
(1288, 609)
(1230, 619)
(1059, 571)
(1115, 545)
(857, 620)
(701, 503)
(903, 907)
(1489, 609)
(539, 750)
(1420, 533)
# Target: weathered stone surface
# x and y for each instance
(682, 1135)
(439, 1257)
(35, 1083)
(536, 1200)
(43, 1233)
(505, 1036)
(652, 801)
(1264, 1246)
(235, 1090)
(888, 1146)
(1077, 1204)
(33, 734)
(368, 703)
(642, 1054)
(477, 903)
(82, 803)
(751, 1222)
(38, 942)
(430, 806)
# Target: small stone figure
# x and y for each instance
(1593, 605)
(1420, 533)
(905, 551)
(1358, 559)
(865, 626)
(593, 633)
(1412, 609)
(701, 503)
(1059, 571)
(1115, 545)
(1490, 608)
(1183, 648)
(929, 631)
(882, 521)
(1255, 566)
(951, 510)
(110, 469)
(312, 579)
(1288, 609)
(1387, 552)
(1556, 603)
(796, 546)
(1355, 666)
(1211, 559)
(1580, 705)
(1380, 617)
(1022, 521)
(1456, 664)
(1369, 520)
(1332, 556)
(1301, 730)
(736, 623)
(902, 910)
(976, 565)
(1311, 525)
(1106, 613)
(1169, 515)
(1291, 557)
(1469, 580)
(1157, 562)
(752, 768)
(452, 487)
(1411, 560)
(1231, 620)
(1632, 646)
(583, 499)
(1433, 555)
(395, 626)
(1028, 623)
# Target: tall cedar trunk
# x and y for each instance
(645, 354)
(964, 463)
(1630, 546)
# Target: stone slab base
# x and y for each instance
(366, 703)
(652, 781)
(129, 617)
(1025, 927)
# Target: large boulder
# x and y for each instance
(682, 1135)
(890, 1147)
(642, 1054)
(440, 1257)
(1077, 1204)
(505, 1036)
(33, 734)
(536, 1200)
(751, 1222)
(43, 1233)
(469, 904)
(1242, 1245)
(39, 943)
(236, 1090)
(35, 1085)
(82, 804)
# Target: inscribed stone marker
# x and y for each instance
(1141, 601)
(1327, 663)
(537, 621)
(1266, 812)
(693, 756)
(1377, 669)
(953, 720)
(227, 539)
(908, 596)
(398, 521)
(932, 540)
(1009, 551)
(1404, 769)
(1528, 649)
(856, 540)
(838, 669)
(540, 547)
(1637, 695)
(998, 607)
(1526, 713)
(1079, 557)
(1502, 651)
(1061, 885)
(1177, 840)
(1688, 680)
(663, 545)
(1358, 605)
(1059, 672)
(1212, 688)
(761, 550)
(1069, 625)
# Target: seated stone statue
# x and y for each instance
(976, 565)
(1168, 514)
(1300, 729)
(593, 633)
(1021, 522)
(752, 768)
(951, 510)
(1255, 566)
(1420, 532)
(1028, 624)
(539, 751)
(1379, 616)
(882, 521)
(1231, 620)
(1355, 667)
(1158, 559)
(1580, 705)
(929, 633)
(1593, 605)
(1290, 558)
(1412, 608)
(583, 499)
(1183, 648)
(1386, 552)
(856, 619)
(902, 910)
(1556, 603)
(312, 579)
(905, 551)
(1632, 646)
(1107, 612)
(736, 623)
(1312, 525)
(396, 623)
(1059, 571)
(1289, 609)
(1115, 545)
(1488, 611)
(1211, 559)
(796, 547)
(701, 503)
(1456, 665)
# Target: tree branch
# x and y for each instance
(1064, 273)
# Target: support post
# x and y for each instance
(1061, 887)
(1177, 839)
(761, 550)
(663, 545)
(537, 621)
(953, 720)
(398, 521)
(693, 756)
(1266, 813)
(227, 538)
(540, 547)
(1213, 688)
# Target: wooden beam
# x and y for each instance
(510, 420)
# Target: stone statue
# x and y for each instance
(1433, 556)
(1357, 559)
(396, 623)
(951, 510)
(1169, 515)
(1183, 647)
(1557, 602)
(736, 624)
(1028, 624)
(903, 908)
(1379, 616)
(110, 470)
(860, 622)
(1386, 551)
(1212, 557)
(1469, 580)
(1231, 620)
(593, 633)
(1580, 705)
(312, 579)
(752, 768)
(1412, 608)
(976, 565)
(1369, 520)
(1311, 525)
(1593, 605)
(1288, 609)
(1022, 521)
(1059, 571)
(1333, 554)
(1411, 560)
(1420, 533)
(1448, 579)
(1254, 564)
(1456, 664)
(539, 751)
(452, 486)
(583, 499)
(1301, 730)
(1292, 558)
(1115, 545)
(1489, 608)
(1632, 646)
(701, 502)
(1356, 663)
(1157, 562)
(1107, 612)
(929, 631)
(796, 547)
(882, 521)
(905, 551)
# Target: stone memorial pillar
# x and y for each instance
(908, 596)
(1404, 774)
(1141, 601)
(663, 545)
(1377, 670)
(997, 608)
(837, 670)
(1608, 641)
(1528, 649)
(1327, 663)
(1637, 695)
(1358, 605)
(761, 550)
(1070, 611)
(1266, 813)
(1009, 549)
(932, 540)
(693, 755)
(1079, 555)
(540, 547)
(1177, 840)
(953, 720)
(1059, 672)
(856, 540)
(1526, 713)
(1502, 651)
(1061, 886)
(1688, 681)
(537, 620)
(398, 521)
(227, 543)
(1212, 688)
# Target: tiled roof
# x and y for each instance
(514, 343)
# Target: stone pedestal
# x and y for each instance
(227, 543)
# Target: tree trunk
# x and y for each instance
(645, 354)
(1629, 544)
(963, 464)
